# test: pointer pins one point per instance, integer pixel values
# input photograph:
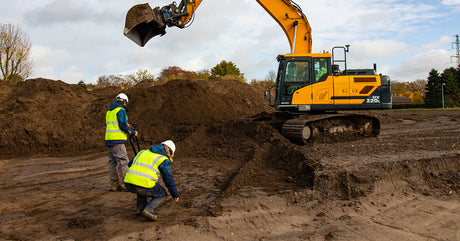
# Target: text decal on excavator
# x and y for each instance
(373, 100)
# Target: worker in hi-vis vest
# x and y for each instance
(144, 173)
(116, 134)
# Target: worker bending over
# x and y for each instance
(143, 175)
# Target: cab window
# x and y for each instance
(320, 67)
(297, 75)
(297, 72)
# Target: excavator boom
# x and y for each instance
(293, 22)
(143, 23)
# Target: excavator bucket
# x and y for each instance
(143, 23)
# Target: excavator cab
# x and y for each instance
(143, 23)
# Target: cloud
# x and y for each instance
(440, 43)
(60, 12)
(46, 59)
(372, 18)
(195, 64)
(418, 66)
(55, 64)
(378, 49)
(73, 73)
(450, 2)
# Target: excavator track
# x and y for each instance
(322, 128)
(330, 127)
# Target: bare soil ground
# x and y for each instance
(237, 179)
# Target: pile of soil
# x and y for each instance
(46, 117)
(238, 179)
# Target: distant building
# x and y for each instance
(401, 100)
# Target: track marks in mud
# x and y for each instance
(376, 217)
(410, 216)
(424, 219)
(437, 176)
(55, 197)
(47, 171)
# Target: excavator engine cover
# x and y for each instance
(143, 23)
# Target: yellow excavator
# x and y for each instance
(310, 87)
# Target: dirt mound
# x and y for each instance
(46, 117)
(176, 109)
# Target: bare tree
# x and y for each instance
(271, 77)
(15, 49)
(114, 80)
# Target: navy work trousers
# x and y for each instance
(157, 193)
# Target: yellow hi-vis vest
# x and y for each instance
(113, 131)
(144, 170)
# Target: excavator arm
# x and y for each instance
(143, 23)
(293, 22)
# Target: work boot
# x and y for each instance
(138, 212)
(149, 216)
(122, 188)
(114, 187)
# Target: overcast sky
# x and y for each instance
(82, 40)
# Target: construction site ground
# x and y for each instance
(237, 179)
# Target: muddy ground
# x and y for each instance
(237, 179)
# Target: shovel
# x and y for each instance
(134, 148)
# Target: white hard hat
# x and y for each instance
(171, 146)
(122, 96)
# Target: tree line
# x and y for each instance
(223, 70)
(443, 89)
(431, 93)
